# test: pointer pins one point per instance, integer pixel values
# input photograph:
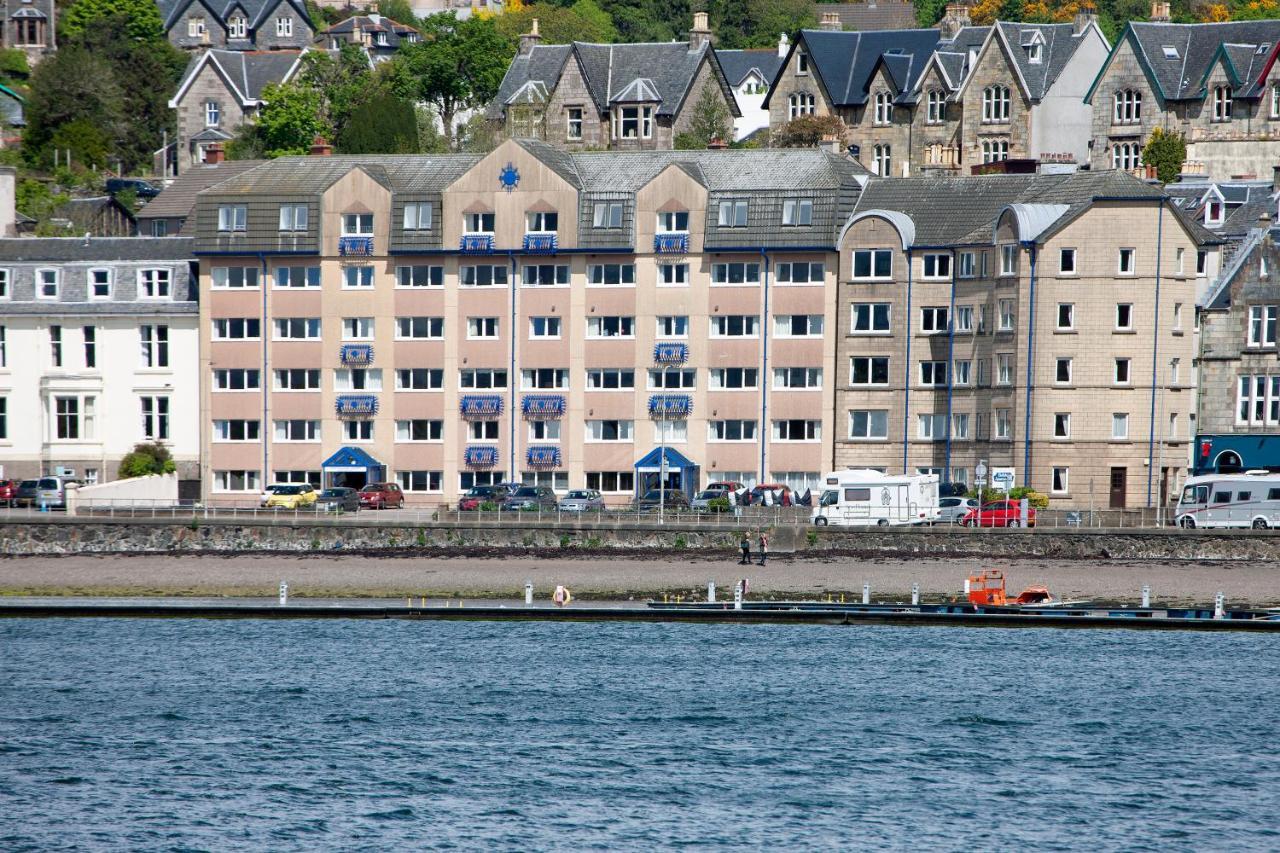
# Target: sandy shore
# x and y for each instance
(1174, 582)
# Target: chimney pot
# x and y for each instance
(320, 147)
(831, 22)
(955, 18)
(530, 39)
(717, 144)
(784, 44)
(1160, 11)
(701, 33)
(215, 154)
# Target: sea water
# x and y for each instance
(311, 735)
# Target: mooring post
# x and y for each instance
(284, 593)
(528, 593)
(711, 592)
(1219, 607)
(915, 594)
(1146, 596)
(966, 587)
(866, 593)
(737, 596)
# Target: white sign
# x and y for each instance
(1002, 478)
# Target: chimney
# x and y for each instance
(954, 20)
(784, 45)
(701, 33)
(215, 154)
(1086, 14)
(1160, 11)
(320, 148)
(530, 40)
(831, 22)
(8, 201)
(717, 144)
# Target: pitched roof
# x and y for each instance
(1059, 44)
(371, 23)
(255, 11)
(737, 64)
(247, 72)
(874, 14)
(177, 199)
(847, 61)
(1196, 47)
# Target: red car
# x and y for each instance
(477, 495)
(8, 492)
(381, 496)
(999, 514)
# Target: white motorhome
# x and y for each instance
(1243, 499)
(863, 497)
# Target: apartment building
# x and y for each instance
(1041, 323)
(98, 352)
(562, 319)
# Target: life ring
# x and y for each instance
(561, 596)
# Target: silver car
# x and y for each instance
(582, 500)
(952, 510)
(702, 500)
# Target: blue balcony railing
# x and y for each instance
(357, 247)
(476, 244)
(481, 405)
(670, 405)
(480, 456)
(543, 406)
(547, 456)
(670, 353)
(671, 244)
(356, 405)
(540, 243)
(356, 354)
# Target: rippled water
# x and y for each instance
(315, 735)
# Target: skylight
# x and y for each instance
(1262, 48)
(1170, 52)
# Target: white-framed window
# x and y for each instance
(544, 379)
(1119, 425)
(419, 328)
(673, 275)
(797, 211)
(1067, 262)
(195, 27)
(1177, 316)
(226, 278)
(965, 266)
(297, 277)
(931, 426)
(1258, 400)
(544, 431)
(545, 275)
(933, 373)
(469, 479)
(419, 275)
(963, 319)
(483, 430)
(1007, 315)
(611, 275)
(155, 418)
(1126, 155)
(1127, 107)
(732, 213)
(633, 122)
(544, 328)
(1275, 101)
(872, 264)
(937, 107)
(483, 275)
(962, 371)
(296, 430)
(735, 326)
(1125, 260)
(1009, 259)
(1120, 373)
(154, 283)
(1062, 425)
(212, 113)
(419, 379)
(995, 150)
(868, 424)
(1004, 424)
(611, 327)
(542, 222)
(477, 223)
(482, 378)
(611, 379)
(672, 379)
(735, 273)
(1214, 212)
(671, 431)
(417, 216)
(297, 379)
(1124, 317)
(796, 429)
(1060, 484)
(936, 266)
(1262, 325)
(672, 326)
(933, 319)
(995, 104)
(1004, 368)
(237, 481)
(154, 344)
(610, 430)
(237, 379)
(797, 378)
(573, 123)
(357, 328)
(55, 346)
(802, 62)
(882, 160)
(800, 272)
(357, 224)
(673, 222)
(361, 431)
(237, 27)
(357, 277)
(734, 379)
(883, 108)
(233, 217)
(733, 429)
(296, 328)
(420, 481)
(1222, 102)
(1180, 261)
(800, 104)
(237, 430)
(869, 318)
(1062, 370)
(284, 27)
(480, 328)
(611, 482)
(99, 284)
(607, 215)
(47, 283)
(868, 370)
(1066, 317)
(235, 329)
(798, 325)
(1035, 53)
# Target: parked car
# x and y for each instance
(953, 510)
(268, 491)
(582, 500)
(292, 497)
(141, 188)
(381, 496)
(26, 494)
(8, 492)
(779, 494)
(338, 499)
(671, 499)
(477, 495)
(530, 498)
(52, 491)
(702, 500)
(728, 486)
(1000, 513)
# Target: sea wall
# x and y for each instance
(55, 535)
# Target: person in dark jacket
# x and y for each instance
(745, 545)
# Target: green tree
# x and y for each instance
(146, 459)
(384, 124)
(1167, 152)
(584, 21)
(13, 65)
(87, 144)
(37, 199)
(430, 141)
(143, 17)
(397, 10)
(710, 119)
(808, 131)
(290, 120)
(72, 85)
(342, 83)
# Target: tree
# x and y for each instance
(146, 459)
(341, 83)
(384, 124)
(1167, 152)
(143, 17)
(290, 120)
(584, 21)
(72, 85)
(772, 17)
(397, 10)
(710, 119)
(808, 131)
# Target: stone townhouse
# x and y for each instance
(625, 97)
(947, 98)
(1214, 83)
(30, 26)
(564, 319)
(1043, 323)
(379, 37)
(237, 24)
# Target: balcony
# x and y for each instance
(670, 353)
(662, 406)
(355, 247)
(538, 407)
(480, 456)
(540, 243)
(547, 456)
(356, 354)
(476, 244)
(480, 405)
(671, 244)
(355, 405)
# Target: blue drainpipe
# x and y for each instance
(1031, 340)
(1155, 354)
(951, 349)
(906, 383)
(511, 371)
(264, 381)
(764, 432)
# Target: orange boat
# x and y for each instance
(987, 589)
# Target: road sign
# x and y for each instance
(1002, 478)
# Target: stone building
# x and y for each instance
(1015, 320)
(750, 72)
(30, 26)
(1214, 83)
(237, 24)
(377, 36)
(625, 97)
(947, 98)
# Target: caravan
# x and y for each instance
(1245, 499)
(866, 497)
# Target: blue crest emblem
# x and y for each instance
(509, 177)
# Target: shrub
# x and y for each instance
(718, 504)
(147, 459)
(808, 131)
(488, 506)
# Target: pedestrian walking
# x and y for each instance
(764, 546)
(745, 545)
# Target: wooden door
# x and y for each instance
(1119, 484)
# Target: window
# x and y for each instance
(47, 284)
(611, 327)
(482, 430)
(732, 214)
(1222, 103)
(195, 28)
(937, 107)
(357, 328)
(797, 430)
(995, 104)
(1062, 425)
(357, 278)
(798, 325)
(230, 329)
(1058, 485)
(1119, 426)
(800, 104)
(1170, 52)
(1124, 317)
(933, 320)
(1062, 371)
(485, 275)
(284, 26)
(1177, 316)
(669, 379)
(236, 481)
(731, 430)
(419, 328)
(802, 62)
(357, 379)
(544, 430)
(872, 264)
(155, 343)
(468, 479)
(673, 222)
(1120, 375)
(966, 264)
(298, 277)
(236, 430)
(611, 380)
(1126, 155)
(1128, 107)
(1181, 261)
(154, 283)
(90, 335)
(869, 317)
(963, 321)
(1275, 101)
(632, 122)
(419, 276)
(1262, 325)
(1004, 369)
(1066, 316)
(1067, 262)
(797, 211)
(1125, 261)
(800, 272)
(419, 379)
(4, 282)
(238, 379)
(1034, 53)
(962, 370)
(55, 346)
(573, 128)
(869, 370)
(937, 266)
(420, 481)
(735, 273)
(1202, 263)
(612, 482)
(544, 327)
(544, 379)
(670, 431)
(233, 278)
(296, 328)
(609, 430)
(673, 275)
(733, 378)
(1009, 259)
(483, 378)
(735, 326)
(237, 27)
(673, 326)
(931, 427)
(868, 425)
(542, 222)
(797, 378)
(882, 160)
(607, 215)
(233, 217)
(297, 430)
(296, 379)
(611, 274)
(358, 430)
(4, 418)
(477, 223)
(933, 373)
(1258, 400)
(1213, 213)
(883, 108)
(1004, 424)
(482, 327)
(995, 150)
(1007, 315)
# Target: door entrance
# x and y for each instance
(1119, 486)
(348, 479)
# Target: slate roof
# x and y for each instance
(1060, 44)
(668, 69)
(177, 199)
(846, 61)
(395, 30)
(70, 249)
(256, 11)
(737, 64)
(873, 15)
(1198, 46)
(12, 107)
(247, 71)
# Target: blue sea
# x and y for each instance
(262, 735)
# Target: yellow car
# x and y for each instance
(292, 497)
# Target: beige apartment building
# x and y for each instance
(560, 319)
(1040, 323)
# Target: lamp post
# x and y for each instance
(662, 444)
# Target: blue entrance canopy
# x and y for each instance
(350, 458)
(675, 459)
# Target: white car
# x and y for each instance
(952, 510)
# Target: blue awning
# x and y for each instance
(540, 244)
(355, 246)
(356, 404)
(545, 456)
(476, 244)
(670, 353)
(675, 460)
(350, 458)
(481, 405)
(356, 354)
(540, 406)
(669, 405)
(671, 244)
(480, 456)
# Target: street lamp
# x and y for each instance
(662, 444)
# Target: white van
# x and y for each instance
(1244, 499)
(863, 497)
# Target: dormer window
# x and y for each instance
(802, 62)
(357, 224)
(633, 123)
(884, 108)
(284, 27)
(382, 39)
(937, 103)
(1213, 213)
(673, 222)
(1222, 103)
(1034, 53)
(539, 222)
(477, 223)
(237, 27)
(195, 28)
(797, 211)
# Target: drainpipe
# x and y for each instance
(1031, 340)
(951, 349)
(265, 380)
(764, 369)
(1155, 355)
(511, 374)
(906, 383)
